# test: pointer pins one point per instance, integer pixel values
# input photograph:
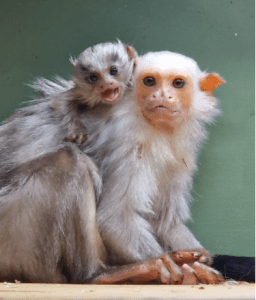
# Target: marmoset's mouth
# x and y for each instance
(160, 107)
(111, 95)
(164, 108)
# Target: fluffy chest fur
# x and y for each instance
(137, 160)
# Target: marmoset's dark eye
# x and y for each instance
(84, 69)
(93, 78)
(178, 83)
(113, 71)
(149, 81)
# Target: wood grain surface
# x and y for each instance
(68, 291)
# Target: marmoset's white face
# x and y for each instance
(166, 84)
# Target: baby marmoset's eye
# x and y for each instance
(113, 71)
(149, 81)
(93, 78)
(178, 83)
(84, 68)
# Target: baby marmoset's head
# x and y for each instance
(102, 72)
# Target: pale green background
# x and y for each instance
(37, 37)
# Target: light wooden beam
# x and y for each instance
(128, 292)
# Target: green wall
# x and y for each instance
(38, 36)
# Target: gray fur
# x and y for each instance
(37, 129)
(66, 98)
(45, 215)
(48, 188)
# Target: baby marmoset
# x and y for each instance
(102, 73)
(35, 130)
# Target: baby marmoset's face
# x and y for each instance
(102, 72)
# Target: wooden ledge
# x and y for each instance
(102, 292)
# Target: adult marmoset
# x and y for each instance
(147, 153)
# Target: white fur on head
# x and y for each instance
(166, 61)
(102, 55)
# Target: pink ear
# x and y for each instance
(131, 52)
(210, 82)
(133, 55)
